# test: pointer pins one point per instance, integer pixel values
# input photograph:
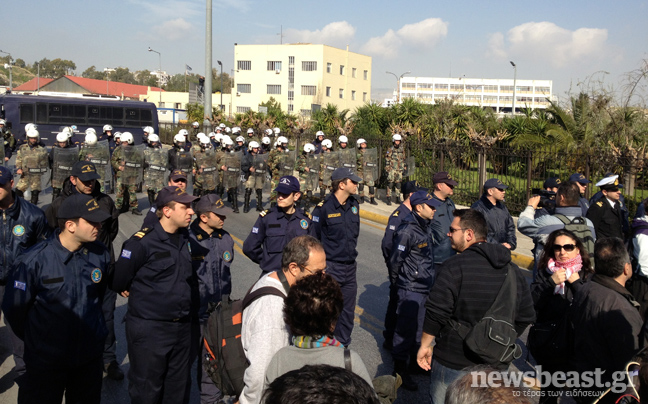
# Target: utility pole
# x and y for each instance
(208, 69)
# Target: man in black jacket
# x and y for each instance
(465, 288)
(605, 316)
(501, 227)
(84, 180)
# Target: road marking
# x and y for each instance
(372, 224)
(367, 321)
(238, 244)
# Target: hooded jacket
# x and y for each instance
(412, 255)
(465, 288)
(440, 226)
(501, 227)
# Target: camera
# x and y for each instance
(547, 199)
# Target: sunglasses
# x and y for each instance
(566, 247)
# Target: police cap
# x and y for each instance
(341, 173)
(5, 175)
(173, 194)
(212, 203)
(85, 171)
(420, 197)
(445, 178)
(288, 185)
(82, 206)
(494, 183)
(578, 177)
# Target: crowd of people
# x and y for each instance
(450, 270)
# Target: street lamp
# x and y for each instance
(514, 85)
(10, 67)
(108, 70)
(159, 73)
(221, 102)
(398, 83)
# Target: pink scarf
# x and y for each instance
(571, 266)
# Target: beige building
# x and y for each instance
(172, 106)
(301, 77)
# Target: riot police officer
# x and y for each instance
(307, 165)
(106, 134)
(254, 167)
(319, 138)
(31, 162)
(275, 227)
(274, 164)
(61, 157)
(394, 166)
(367, 170)
(119, 160)
(155, 165)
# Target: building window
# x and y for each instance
(309, 66)
(291, 95)
(244, 65)
(353, 72)
(178, 105)
(409, 85)
(364, 96)
(342, 70)
(274, 89)
(329, 66)
(274, 65)
(305, 111)
(291, 60)
(244, 88)
(352, 95)
(366, 74)
(308, 90)
(341, 93)
(291, 108)
(328, 91)
(161, 104)
(242, 110)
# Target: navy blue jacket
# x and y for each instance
(211, 259)
(440, 226)
(23, 225)
(388, 239)
(271, 232)
(337, 227)
(625, 214)
(157, 273)
(53, 303)
(501, 227)
(318, 146)
(412, 258)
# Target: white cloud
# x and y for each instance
(548, 42)
(173, 29)
(337, 34)
(423, 34)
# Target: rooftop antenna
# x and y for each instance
(281, 36)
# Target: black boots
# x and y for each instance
(389, 201)
(307, 200)
(219, 190)
(246, 201)
(151, 197)
(233, 196)
(400, 367)
(373, 201)
(259, 194)
(397, 200)
(34, 197)
(20, 193)
(56, 192)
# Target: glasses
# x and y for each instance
(451, 231)
(312, 272)
(566, 247)
(501, 190)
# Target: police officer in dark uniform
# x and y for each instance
(154, 271)
(582, 183)
(212, 253)
(177, 178)
(54, 305)
(336, 223)
(275, 227)
(606, 213)
(395, 219)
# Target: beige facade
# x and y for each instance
(172, 105)
(300, 77)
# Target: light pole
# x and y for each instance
(398, 83)
(10, 67)
(221, 102)
(159, 74)
(208, 69)
(514, 85)
(108, 70)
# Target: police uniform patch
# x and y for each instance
(199, 237)
(18, 230)
(599, 204)
(392, 227)
(354, 210)
(255, 230)
(20, 285)
(96, 275)
(316, 219)
(303, 223)
(126, 254)
(396, 213)
(334, 215)
(401, 247)
(265, 212)
(227, 256)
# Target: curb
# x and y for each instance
(523, 261)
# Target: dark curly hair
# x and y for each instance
(548, 251)
(313, 306)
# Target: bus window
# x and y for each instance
(133, 117)
(41, 113)
(65, 113)
(146, 116)
(26, 113)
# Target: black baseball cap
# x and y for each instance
(341, 173)
(178, 175)
(411, 186)
(420, 197)
(85, 171)
(287, 185)
(578, 177)
(5, 175)
(212, 203)
(82, 206)
(173, 194)
(494, 183)
(551, 182)
(444, 177)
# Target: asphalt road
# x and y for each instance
(367, 334)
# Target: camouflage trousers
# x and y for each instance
(132, 193)
(273, 184)
(32, 181)
(254, 182)
(394, 179)
(361, 187)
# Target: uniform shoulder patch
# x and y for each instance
(599, 204)
(265, 212)
(308, 215)
(396, 213)
(320, 204)
(143, 232)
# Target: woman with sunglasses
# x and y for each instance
(563, 267)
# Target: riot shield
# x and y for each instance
(348, 159)
(156, 166)
(232, 174)
(260, 164)
(62, 161)
(35, 162)
(133, 164)
(286, 164)
(207, 163)
(98, 154)
(2, 149)
(312, 175)
(330, 161)
(182, 160)
(410, 167)
(370, 165)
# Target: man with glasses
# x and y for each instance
(501, 227)
(336, 223)
(607, 213)
(443, 190)
(275, 227)
(263, 329)
(178, 178)
(465, 288)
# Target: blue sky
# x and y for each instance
(569, 41)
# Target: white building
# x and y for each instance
(492, 93)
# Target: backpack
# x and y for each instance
(225, 361)
(579, 227)
(493, 338)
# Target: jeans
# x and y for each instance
(440, 379)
